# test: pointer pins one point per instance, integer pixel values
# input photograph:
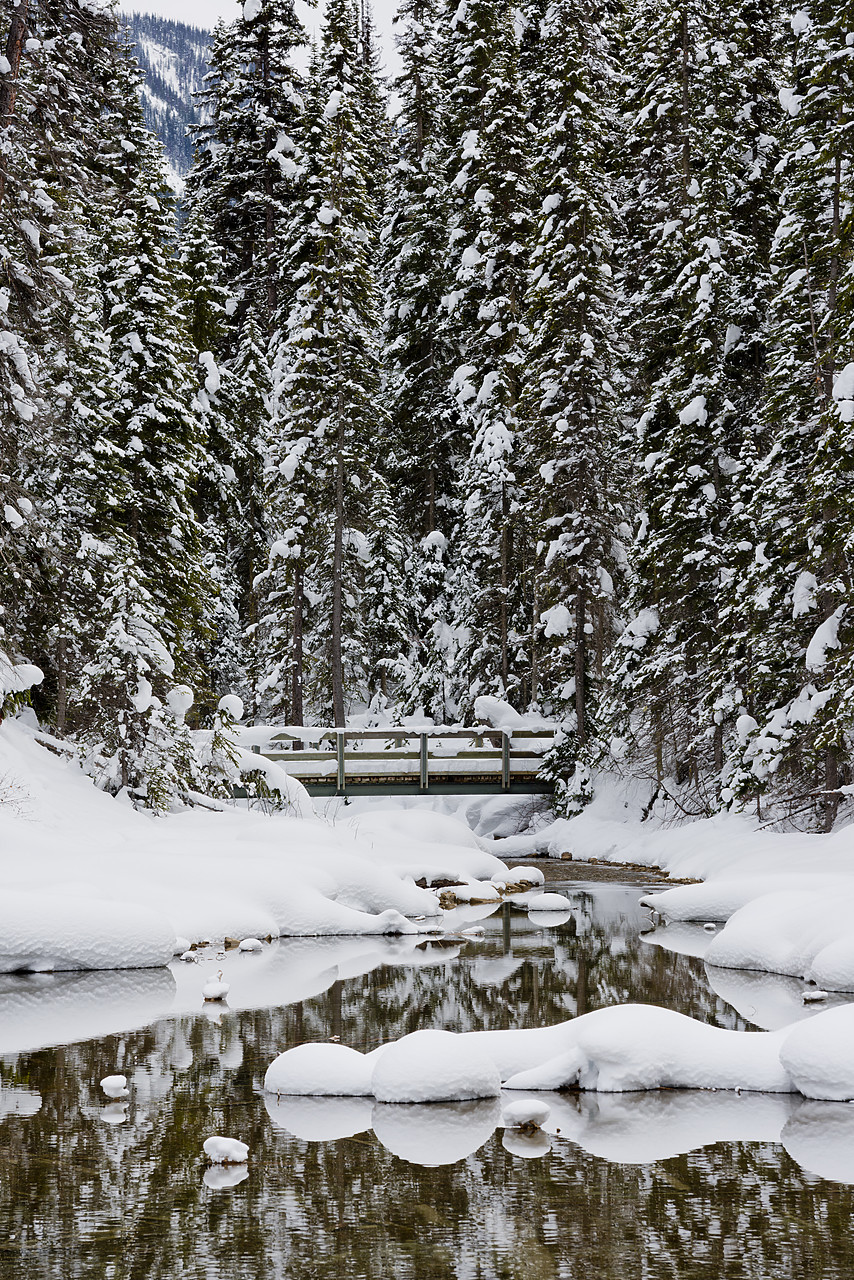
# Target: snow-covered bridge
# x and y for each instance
(399, 761)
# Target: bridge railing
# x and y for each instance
(412, 760)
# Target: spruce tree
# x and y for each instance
(329, 392)
(570, 443)
(487, 146)
(793, 592)
(696, 275)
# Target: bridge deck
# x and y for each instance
(382, 762)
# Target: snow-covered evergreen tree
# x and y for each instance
(417, 354)
(329, 393)
(574, 480)
(796, 715)
(696, 273)
(487, 156)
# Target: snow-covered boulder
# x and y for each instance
(526, 1112)
(818, 1054)
(434, 1066)
(226, 1150)
(320, 1069)
(115, 1087)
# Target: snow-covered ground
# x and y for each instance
(91, 883)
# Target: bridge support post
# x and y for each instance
(424, 772)
(505, 761)
(342, 766)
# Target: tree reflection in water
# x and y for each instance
(335, 1190)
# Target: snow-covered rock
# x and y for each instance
(225, 1150)
(434, 1066)
(320, 1069)
(543, 903)
(527, 1111)
(215, 989)
(250, 944)
(115, 1087)
(819, 1055)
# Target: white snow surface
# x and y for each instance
(434, 1066)
(620, 1049)
(90, 883)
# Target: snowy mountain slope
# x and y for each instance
(173, 56)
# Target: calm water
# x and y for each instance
(666, 1185)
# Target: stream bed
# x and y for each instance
(647, 1186)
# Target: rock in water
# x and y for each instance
(215, 988)
(226, 1151)
(115, 1086)
(527, 1113)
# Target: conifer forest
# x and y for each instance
(529, 375)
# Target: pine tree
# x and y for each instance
(696, 270)
(329, 392)
(157, 430)
(417, 354)
(797, 672)
(573, 476)
(244, 175)
(487, 158)
(385, 598)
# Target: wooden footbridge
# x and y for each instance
(477, 761)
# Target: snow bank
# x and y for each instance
(41, 932)
(91, 883)
(644, 1047)
(614, 1050)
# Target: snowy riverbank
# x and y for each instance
(90, 882)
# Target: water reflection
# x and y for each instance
(643, 1185)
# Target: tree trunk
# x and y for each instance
(580, 668)
(297, 660)
(831, 784)
(9, 82)
(14, 49)
(337, 655)
(61, 684)
(502, 612)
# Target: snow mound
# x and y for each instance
(115, 1087)
(543, 903)
(819, 1055)
(645, 1047)
(434, 1066)
(527, 1111)
(41, 932)
(804, 933)
(226, 1150)
(320, 1070)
